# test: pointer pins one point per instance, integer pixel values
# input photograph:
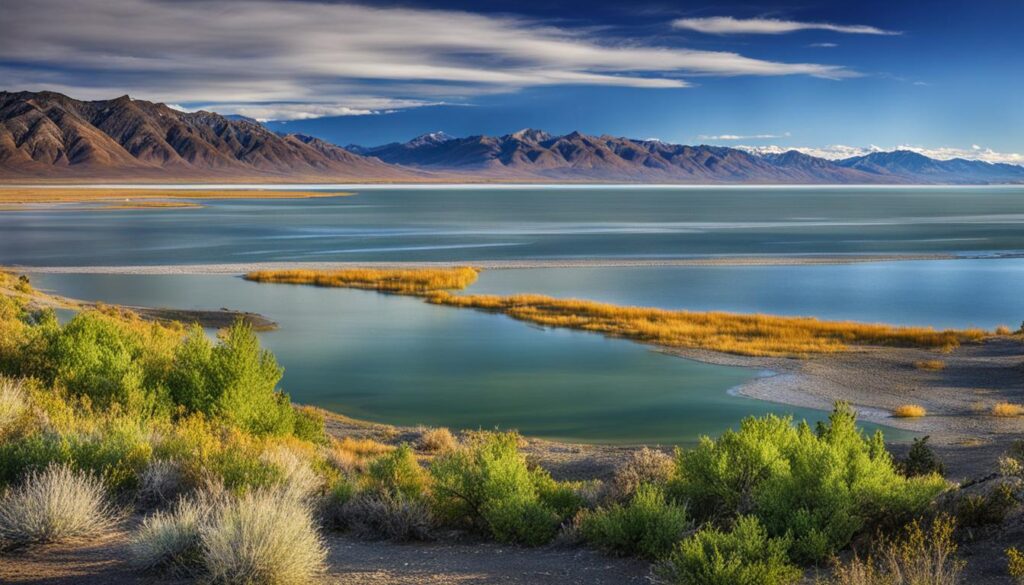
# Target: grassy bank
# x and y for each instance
(753, 335)
(108, 415)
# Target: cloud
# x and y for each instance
(307, 111)
(741, 137)
(823, 45)
(727, 25)
(841, 151)
(315, 53)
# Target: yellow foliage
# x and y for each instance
(1007, 409)
(413, 282)
(755, 335)
(909, 411)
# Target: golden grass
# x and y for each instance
(410, 282)
(933, 365)
(21, 195)
(909, 411)
(1003, 330)
(753, 335)
(1007, 409)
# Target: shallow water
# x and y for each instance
(399, 360)
(476, 223)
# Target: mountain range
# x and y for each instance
(47, 135)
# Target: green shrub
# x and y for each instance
(117, 452)
(310, 425)
(397, 473)
(820, 487)
(648, 526)
(487, 485)
(1015, 564)
(746, 555)
(234, 380)
(920, 460)
(107, 360)
(991, 508)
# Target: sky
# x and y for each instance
(832, 78)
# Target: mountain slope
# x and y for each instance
(532, 153)
(919, 168)
(47, 134)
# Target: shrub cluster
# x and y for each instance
(819, 487)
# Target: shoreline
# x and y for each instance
(747, 260)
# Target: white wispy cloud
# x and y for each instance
(823, 45)
(741, 136)
(841, 151)
(307, 111)
(728, 25)
(317, 55)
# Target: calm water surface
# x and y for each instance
(399, 360)
(478, 223)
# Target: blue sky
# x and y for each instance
(942, 76)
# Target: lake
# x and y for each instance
(475, 223)
(399, 360)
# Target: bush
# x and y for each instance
(440, 439)
(110, 360)
(170, 541)
(974, 510)
(310, 425)
(1015, 564)
(917, 557)
(820, 487)
(643, 466)
(487, 485)
(387, 515)
(648, 526)
(921, 460)
(398, 474)
(234, 380)
(909, 411)
(743, 556)
(1007, 409)
(54, 505)
(261, 537)
(12, 403)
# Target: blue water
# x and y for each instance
(478, 223)
(398, 360)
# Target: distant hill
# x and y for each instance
(535, 154)
(916, 167)
(50, 135)
(47, 135)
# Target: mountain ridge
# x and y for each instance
(48, 135)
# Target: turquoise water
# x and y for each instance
(399, 360)
(476, 223)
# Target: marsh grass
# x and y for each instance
(413, 281)
(754, 335)
(909, 411)
(1007, 409)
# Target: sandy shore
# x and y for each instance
(242, 268)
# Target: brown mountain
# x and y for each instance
(49, 135)
(538, 155)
